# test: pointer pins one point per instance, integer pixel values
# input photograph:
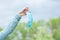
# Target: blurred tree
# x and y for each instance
(37, 31)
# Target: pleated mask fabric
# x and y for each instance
(30, 19)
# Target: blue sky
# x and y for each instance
(41, 9)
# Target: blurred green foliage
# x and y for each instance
(40, 30)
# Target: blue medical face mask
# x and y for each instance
(30, 19)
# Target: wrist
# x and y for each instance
(19, 15)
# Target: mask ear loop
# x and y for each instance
(29, 14)
(30, 19)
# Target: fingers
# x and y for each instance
(25, 9)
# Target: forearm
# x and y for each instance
(10, 26)
(13, 23)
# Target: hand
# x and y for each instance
(23, 11)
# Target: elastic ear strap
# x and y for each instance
(30, 19)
